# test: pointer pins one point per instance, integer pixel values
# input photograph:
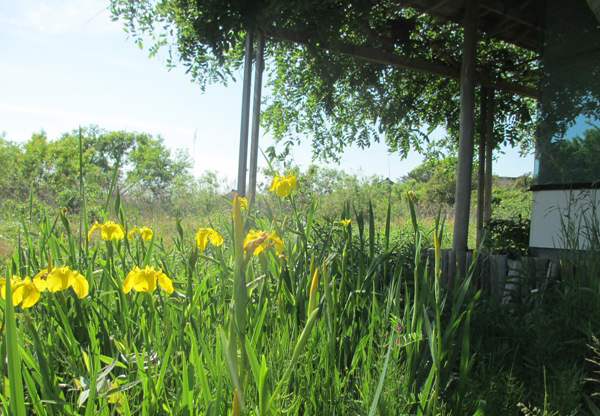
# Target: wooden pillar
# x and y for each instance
(481, 164)
(466, 130)
(256, 116)
(243, 154)
(490, 144)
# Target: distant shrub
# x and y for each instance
(509, 236)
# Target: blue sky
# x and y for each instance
(65, 64)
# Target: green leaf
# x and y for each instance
(17, 396)
(382, 376)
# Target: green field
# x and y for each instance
(309, 300)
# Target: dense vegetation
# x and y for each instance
(156, 184)
(187, 308)
(317, 93)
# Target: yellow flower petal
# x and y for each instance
(201, 238)
(24, 292)
(112, 231)
(257, 241)
(80, 285)
(283, 188)
(3, 287)
(29, 294)
(94, 227)
(128, 283)
(253, 241)
(40, 280)
(131, 232)
(145, 280)
(274, 182)
(17, 286)
(59, 279)
(292, 179)
(207, 234)
(165, 282)
(215, 238)
(314, 286)
(146, 233)
(277, 242)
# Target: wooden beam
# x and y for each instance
(243, 153)
(490, 143)
(370, 54)
(466, 132)
(400, 61)
(481, 164)
(435, 6)
(512, 13)
(258, 71)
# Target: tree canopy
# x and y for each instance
(335, 99)
(49, 170)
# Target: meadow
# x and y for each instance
(293, 303)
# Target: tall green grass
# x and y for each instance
(313, 330)
(335, 324)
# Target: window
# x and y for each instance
(568, 136)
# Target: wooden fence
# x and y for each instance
(502, 278)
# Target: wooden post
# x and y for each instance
(466, 130)
(490, 144)
(256, 116)
(481, 164)
(243, 154)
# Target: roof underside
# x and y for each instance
(515, 21)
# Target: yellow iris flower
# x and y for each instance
(283, 186)
(144, 280)
(24, 291)
(145, 233)
(346, 223)
(243, 203)
(256, 241)
(109, 230)
(40, 280)
(63, 278)
(204, 235)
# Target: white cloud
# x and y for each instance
(57, 17)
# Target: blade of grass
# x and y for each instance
(388, 220)
(371, 231)
(17, 396)
(297, 351)
(382, 376)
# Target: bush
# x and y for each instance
(509, 236)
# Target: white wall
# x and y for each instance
(555, 211)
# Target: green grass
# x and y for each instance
(346, 320)
(266, 325)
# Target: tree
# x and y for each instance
(335, 99)
(152, 168)
(435, 179)
(106, 147)
(35, 159)
(12, 182)
(52, 168)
